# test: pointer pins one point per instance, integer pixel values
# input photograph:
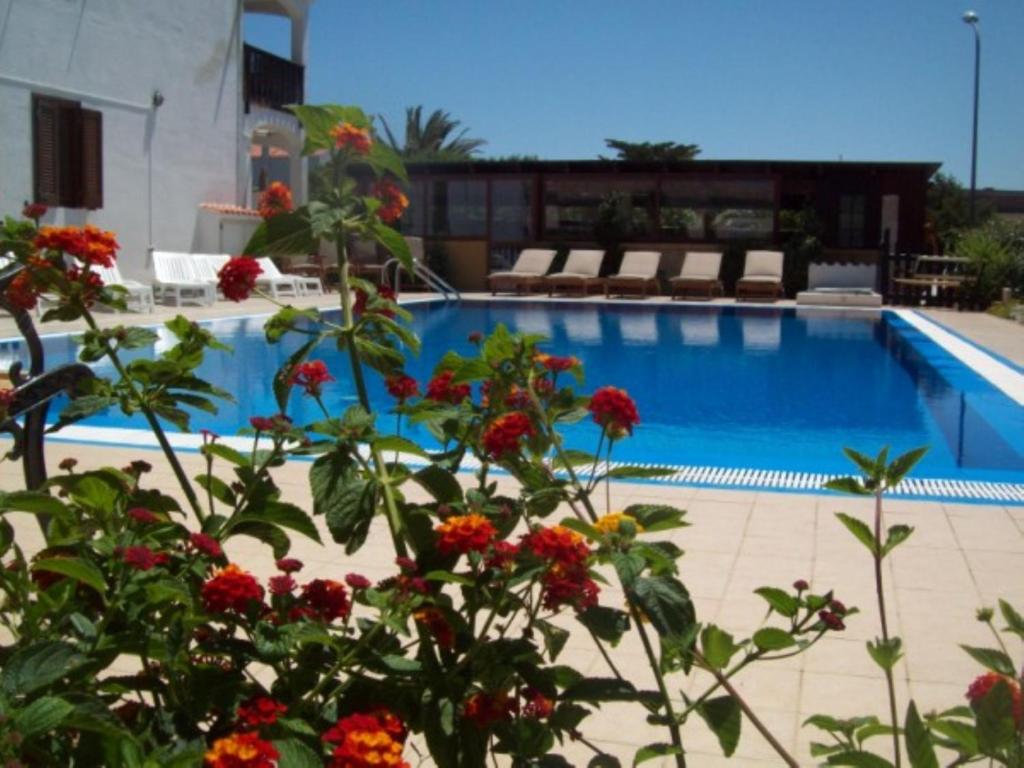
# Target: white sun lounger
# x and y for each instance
(306, 286)
(582, 269)
(139, 297)
(528, 271)
(699, 275)
(177, 280)
(762, 276)
(637, 272)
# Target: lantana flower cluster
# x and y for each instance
(275, 199)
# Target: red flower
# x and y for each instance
(231, 589)
(485, 709)
(282, 584)
(441, 389)
(241, 750)
(503, 555)
(831, 621)
(394, 200)
(566, 584)
(288, 565)
(22, 292)
(503, 434)
(801, 585)
(143, 558)
(206, 544)
(277, 423)
(328, 600)
(384, 295)
(537, 705)
(311, 376)
(437, 625)
(983, 684)
(614, 410)
(237, 278)
(407, 564)
(372, 740)
(85, 284)
(34, 211)
(465, 533)
(557, 544)
(357, 581)
(475, 337)
(348, 136)
(276, 198)
(260, 710)
(402, 387)
(89, 244)
(141, 515)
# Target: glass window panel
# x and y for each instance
(511, 209)
(411, 222)
(718, 209)
(579, 208)
(457, 208)
(851, 221)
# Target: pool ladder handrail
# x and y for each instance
(424, 273)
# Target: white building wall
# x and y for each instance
(111, 55)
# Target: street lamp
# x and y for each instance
(971, 18)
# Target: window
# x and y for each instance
(588, 209)
(68, 153)
(718, 209)
(851, 221)
(411, 222)
(511, 210)
(457, 208)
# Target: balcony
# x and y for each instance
(271, 81)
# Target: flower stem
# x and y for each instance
(677, 739)
(880, 591)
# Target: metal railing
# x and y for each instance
(272, 81)
(433, 280)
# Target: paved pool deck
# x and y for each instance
(960, 557)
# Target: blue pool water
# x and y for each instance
(760, 388)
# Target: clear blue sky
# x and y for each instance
(772, 79)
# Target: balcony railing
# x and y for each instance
(272, 81)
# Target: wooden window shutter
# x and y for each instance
(46, 133)
(91, 158)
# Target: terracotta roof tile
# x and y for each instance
(233, 210)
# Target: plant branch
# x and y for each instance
(880, 591)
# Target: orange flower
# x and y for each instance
(554, 363)
(90, 244)
(22, 292)
(503, 434)
(465, 533)
(367, 741)
(437, 625)
(394, 200)
(348, 136)
(242, 750)
(485, 709)
(610, 523)
(276, 198)
(557, 544)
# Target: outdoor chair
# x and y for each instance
(364, 262)
(638, 272)
(527, 272)
(699, 275)
(300, 285)
(139, 296)
(762, 276)
(582, 270)
(177, 280)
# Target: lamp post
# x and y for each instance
(971, 18)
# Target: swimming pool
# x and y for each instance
(743, 396)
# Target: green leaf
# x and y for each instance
(665, 601)
(897, 535)
(600, 689)
(84, 406)
(471, 369)
(395, 244)
(865, 464)
(35, 502)
(656, 517)
(38, 665)
(992, 659)
(585, 529)
(283, 515)
(651, 751)
(860, 531)
(269, 534)
(718, 646)
(74, 568)
(604, 761)
(994, 719)
(608, 624)
(723, 716)
(1014, 621)
(859, 759)
(960, 736)
(283, 234)
(344, 496)
(779, 601)
(555, 638)
(628, 471)
(847, 485)
(439, 483)
(283, 377)
(920, 749)
(450, 578)
(886, 654)
(295, 754)
(773, 639)
(572, 458)
(227, 453)
(901, 465)
(42, 715)
(400, 444)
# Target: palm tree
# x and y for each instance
(433, 140)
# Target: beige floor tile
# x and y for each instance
(996, 533)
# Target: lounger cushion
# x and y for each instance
(640, 264)
(763, 264)
(533, 261)
(701, 265)
(583, 263)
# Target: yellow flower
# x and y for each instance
(610, 523)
